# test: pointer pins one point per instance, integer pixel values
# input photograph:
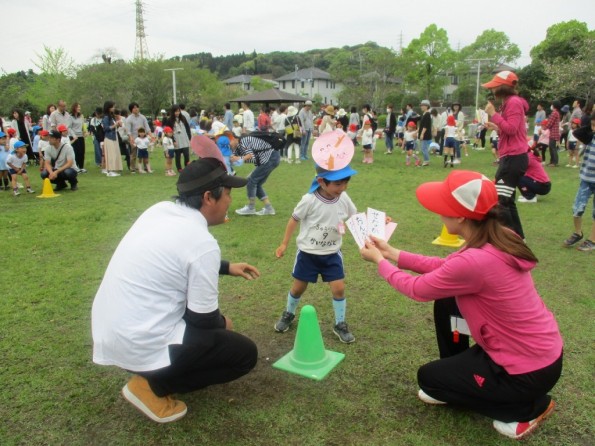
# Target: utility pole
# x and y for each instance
(296, 79)
(173, 78)
(141, 50)
(479, 61)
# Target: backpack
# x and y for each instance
(276, 140)
(373, 122)
(292, 127)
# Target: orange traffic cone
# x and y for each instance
(47, 191)
(448, 239)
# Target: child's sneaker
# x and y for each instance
(342, 331)
(31, 191)
(16, 192)
(160, 409)
(417, 162)
(527, 200)
(518, 430)
(283, 324)
(587, 245)
(573, 239)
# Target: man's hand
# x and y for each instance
(244, 270)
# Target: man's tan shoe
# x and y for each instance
(160, 409)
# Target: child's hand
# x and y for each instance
(280, 250)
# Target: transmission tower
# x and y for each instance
(141, 50)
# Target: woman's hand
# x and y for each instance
(490, 109)
(371, 253)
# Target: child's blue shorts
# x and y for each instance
(307, 267)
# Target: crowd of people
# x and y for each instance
(170, 333)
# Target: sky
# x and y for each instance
(85, 28)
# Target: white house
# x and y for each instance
(309, 82)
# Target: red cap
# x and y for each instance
(544, 123)
(576, 121)
(62, 128)
(157, 122)
(411, 124)
(43, 133)
(502, 78)
(462, 194)
(11, 131)
(167, 130)
(451, 120)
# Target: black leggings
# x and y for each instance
(511, 169)
(469, 378)
(178, 153)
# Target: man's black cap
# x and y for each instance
(206, 174)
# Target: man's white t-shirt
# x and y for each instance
(167, 262)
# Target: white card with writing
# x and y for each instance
(376, 223)
(358, 226)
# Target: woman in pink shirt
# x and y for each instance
(517, 358)
(536, 181)
(509, 122)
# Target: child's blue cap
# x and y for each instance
(19, 144)
(331, 175)
(2, 134)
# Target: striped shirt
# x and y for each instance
(258, 148)
(587, 172)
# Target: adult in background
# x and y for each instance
(457, 112)
(77, 134)
(59, 163)
(306, 118)
(389, 129)
(96, 130)
(539, 117)
(177, 121)
(564, 126)
(424, 131)
(156, 313)
(509, 122)
(45, 120)
(266, 159)
(343, 119)
(111, 148)
(248, 123)
(59, 116)
(553, 125)
(228, 116)
(517, 356)
(135, 121)
(22, 130)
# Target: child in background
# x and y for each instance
(460, 138)
(44, 143)
(4, 177)
(12, 135)
(367, 138)
(409, 140)
(352, 132)
(16, 163)
(223, 142)
(237, 129)
(571, 144)
(35, 147)
(494, 143)
(142, 145)
(450, 131)
(168, 150)
(543, 139)
(320, 215)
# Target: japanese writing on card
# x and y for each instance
(376, 222)
(358, 226)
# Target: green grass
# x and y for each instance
(56, 251)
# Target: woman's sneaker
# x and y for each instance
(573, 239)
(428, 399)
(518, 430)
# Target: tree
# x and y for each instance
(429, 58)
(575, 77)
(560, 41)
(55, 62)
(495, 46)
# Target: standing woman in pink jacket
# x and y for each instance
(509, 122)
(517, 356)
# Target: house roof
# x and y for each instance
(273, 95)
(241, 79)
(305, 74)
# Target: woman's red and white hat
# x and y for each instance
(462, 194)
(502, 78)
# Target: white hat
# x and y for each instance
(291, 111)
(162, 111)
(342, 112)
(308, 102)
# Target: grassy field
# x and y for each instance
(56, 252)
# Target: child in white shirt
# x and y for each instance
(409, 140)
(367, 136)
(168, 150)
(450, 132)
(17, 163)
(142, 145)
